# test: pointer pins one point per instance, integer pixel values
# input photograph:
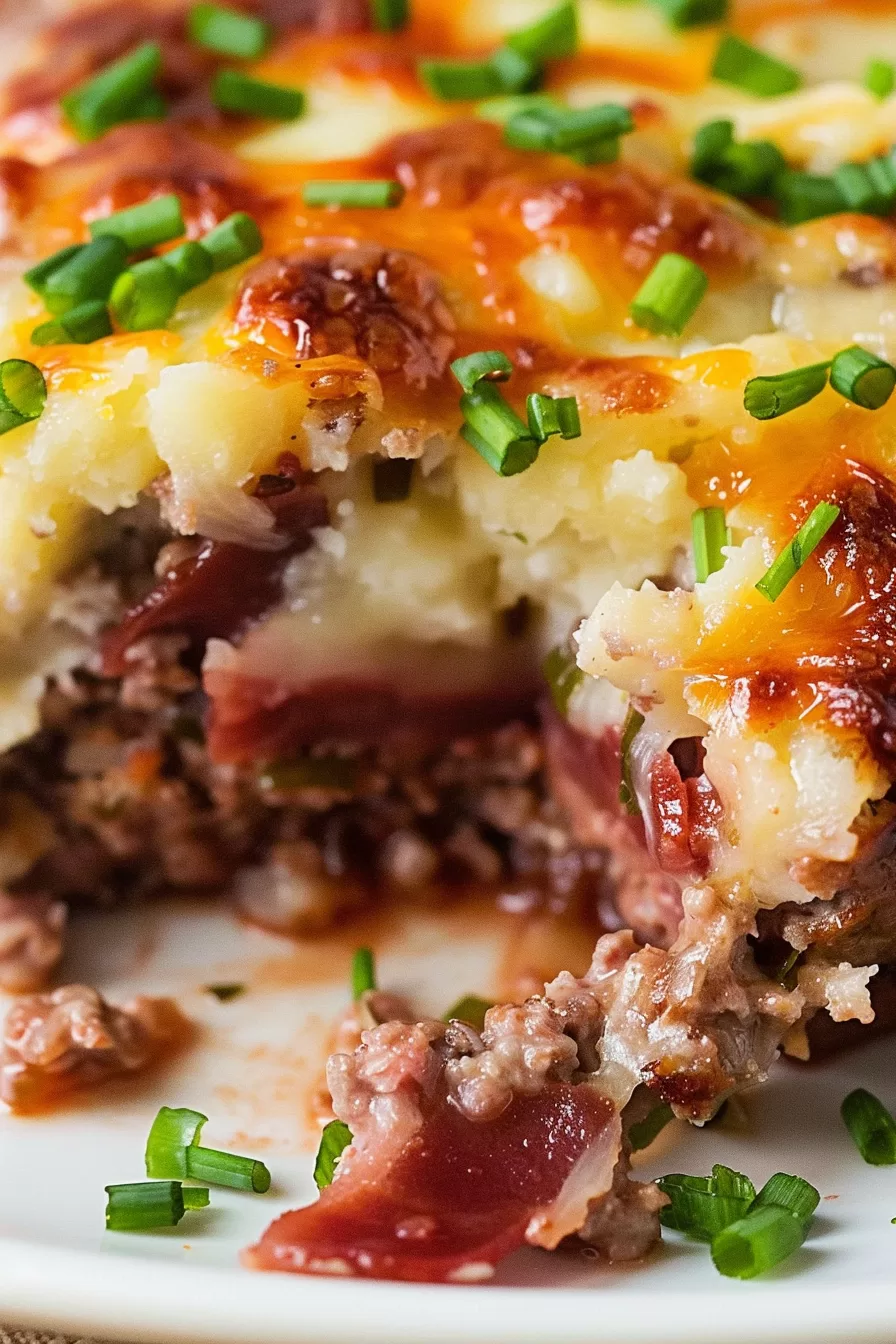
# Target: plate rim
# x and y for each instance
(146, 1301)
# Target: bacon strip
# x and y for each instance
(459, 1196)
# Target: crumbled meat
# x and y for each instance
(72, 1038)
(522, 1046)
(31, 932)
(384, 306)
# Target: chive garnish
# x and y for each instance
(363, 976)
(645, 1131)
(587, 133)
(871, 1127)
(89, 273)
(191, 263)
(550, 38)
(748, 68)
(502, 108)
(334, 1140)
(353, 193)
(23, 393)
(496, 431)
(862, 377)
(797, 551)
(233, 241)
(670, 295)
(770, 396)
(691, 13)
(742, 170)
(228, 32)
(173, 1151)
(471, 1009)
(879, 78)
(118, 93)
(195, 1197)
(463, 81)
(563, 676)
(144, 1205)
(38, 275)
(552, 415)
(471, 369)
(145, 296)
(805, 196)
(392, 478)
(389, 15)
(225, 993)
(757, 1242)
(702, 1206)
(859, 189)
(233, 91)
(145, 225)
(792, 1193)
(709, 533)
(634, 722)
(79, 326)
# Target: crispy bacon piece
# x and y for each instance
(685, 816)
(384, 306)
(458, 1197)
(223, 586)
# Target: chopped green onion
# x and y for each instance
(496, 432)
(79, 326)
(233, 91)
(334, 1140)
(470, 1009)
(392, 479)
(505, 106)
(805, 196)
(38, 275)
(871, 1126)
(461, 81)
(565, 130)
(879, 78)
(233, 241)
(711, 140)
(752, 70)
(143, 1205)
(552, 415)
(862, 377)
(313, 772)
(550, 38)
(238, 1173)
(195, 1196)
(701, 1207)
(858, 189)
(757, 1242)
(471, 369)
(797, 551)
(150, 106)
(173, 1132)
(228, 32)
(670, 295)
(224, 993)
(23, 393)
(353, 193)
(882, 172)
(113, 95)
(785, 974)
(634, 722)
(792, 1193)
(562, 675)
(389, 15)
(645, 1131)
(145, 296)
(514, 71)
(89, 273)
(145, 225)
(363, 972)
(732, 1184)
(773, 395)
(691, 13)
(191, 263)
(709, 533)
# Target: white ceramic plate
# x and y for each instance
(253, 1071)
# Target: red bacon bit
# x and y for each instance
(458, 1197)
(218, 590)
(685, 815)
